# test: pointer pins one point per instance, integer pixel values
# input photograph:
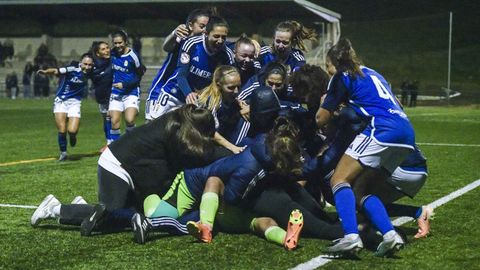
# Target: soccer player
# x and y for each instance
(406, 180)
(102, 82)
(199, 56)
(205, 184)
(245, 51)
(287, 45)
(273, 75)
(220, 98)
(309, 84)
(125, 96)
(195, 25)
(374, 154)
(162, 148)
(68, 100)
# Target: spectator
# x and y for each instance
(27, 80)
(43, 60)
(413, 93)
(41, 84)
(11, 84)
(25, 54)
(2, 55)
(404, 92)
(9, 49)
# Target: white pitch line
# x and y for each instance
(324, 259)
(450, 144)
(18, 206)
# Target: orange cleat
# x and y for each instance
(295, 225)
(423, 222)
(202, 232)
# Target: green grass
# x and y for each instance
(28, 132)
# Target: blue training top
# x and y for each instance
(370, 96)
(126, 70)
(294, 60)
(72, 83)
(240, 173)
(195, 67)
(165, 72)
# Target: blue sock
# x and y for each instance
(345, 204)
(418, 213)
(114, 134)
(373, 207)
(62, 141)
(107, 125)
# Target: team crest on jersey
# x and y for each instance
(196, 59)
(184, 58)
(125, 63)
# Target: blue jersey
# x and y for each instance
(258, 80)
(236, 171)
(294, 60)
(195, 67)
(248, 88)
(126, 70)
(72, 82)
(227, 117)
(370, 96)
(165, 72)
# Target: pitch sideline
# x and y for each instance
(324, 259)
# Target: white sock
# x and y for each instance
(351, 236)
(390, 234)
(56, 210)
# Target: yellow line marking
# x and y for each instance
(95, 153)
(25, 161)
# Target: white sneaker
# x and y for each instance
(63, 156)
(79, 200)
(44, 210)
(391, 243)
(349, 244)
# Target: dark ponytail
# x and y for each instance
(344, 58)
(121, 33)
(285, 152)
(189, 132)
(215, 21)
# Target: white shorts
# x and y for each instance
(121, 103)
(164, 104)
(407, 181)
(103, 108)
(70, 106)
(371, 154)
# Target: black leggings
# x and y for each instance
(278, 203)
(113, 192)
